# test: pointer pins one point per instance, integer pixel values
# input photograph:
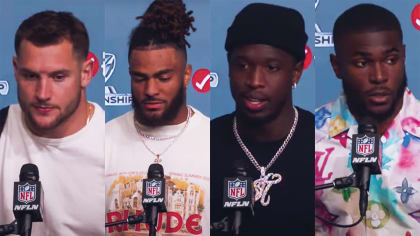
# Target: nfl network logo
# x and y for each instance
(153, 188)
(365, 145)
(26, 193)
(237, 189)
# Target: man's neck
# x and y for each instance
(383, 123)
(272, 130)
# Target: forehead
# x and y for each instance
(261, 52)
(50, 56)
(369, 42)
(155, 59)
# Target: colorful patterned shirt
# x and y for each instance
(394, 196)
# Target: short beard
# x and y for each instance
(359, 107)
(168, 115)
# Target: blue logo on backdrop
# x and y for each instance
(322, 39)
(4, 87)
(112, 97)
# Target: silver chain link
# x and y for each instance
(279, 151)
(143, 136)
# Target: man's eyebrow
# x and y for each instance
(365, 54)
(157, 74)
(162, 72)
(63, 71)
(362, 53)
(391, 50)
(26, 70)
(136, 73)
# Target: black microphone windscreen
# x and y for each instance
(155, 171)
(240, 168)
(29, 172)
(367, 125)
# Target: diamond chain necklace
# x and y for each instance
(144, 137)
(263, 184)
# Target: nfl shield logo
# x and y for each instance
(26, 193)
(237, 189)
(108, 65)
(365, 145)
(153, 188)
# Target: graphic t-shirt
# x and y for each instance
(186, 164)
(71, 171)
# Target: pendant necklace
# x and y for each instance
(264, 183)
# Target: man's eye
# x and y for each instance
(59, 77)
(30, 76)
(391, 61)
(242, 66)
(361, 64)
(272, 68)
(164, 79)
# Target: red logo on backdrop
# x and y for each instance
(308, 57)
(201, 80)
(415, 17)
(93, 58)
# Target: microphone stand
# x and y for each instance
(131, 220)
(8, 229)
(340, 183)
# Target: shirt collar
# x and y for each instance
(342, 119)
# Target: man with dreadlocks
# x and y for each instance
(161, 128)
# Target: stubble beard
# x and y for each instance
(63, 115)
(359, 107)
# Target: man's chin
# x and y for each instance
(43, 124)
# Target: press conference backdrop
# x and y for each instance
(120, 19)
(328, 87)
(222, 14)
(14, 12)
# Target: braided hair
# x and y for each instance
(165, 22)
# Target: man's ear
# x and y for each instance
(336, 66)
(297, 72)
(86, 72)
(15, 69)
(187, 74)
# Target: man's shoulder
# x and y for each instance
(119, 123)
(221, 122)
(305, 115)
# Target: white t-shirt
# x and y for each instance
(186, 167)
(71, 171)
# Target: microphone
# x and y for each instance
(238, 194)
(366, 158)
(154, 195)
(27, 199)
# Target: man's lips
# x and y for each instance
(379, 96)
(153, 105)
(43, 109)
(254, 103)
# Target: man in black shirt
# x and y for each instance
(272, 138)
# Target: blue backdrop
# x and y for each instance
(120, 19)
(328, 87)
(13, 12)
(222, 15)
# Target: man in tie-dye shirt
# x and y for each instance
(370, 61)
